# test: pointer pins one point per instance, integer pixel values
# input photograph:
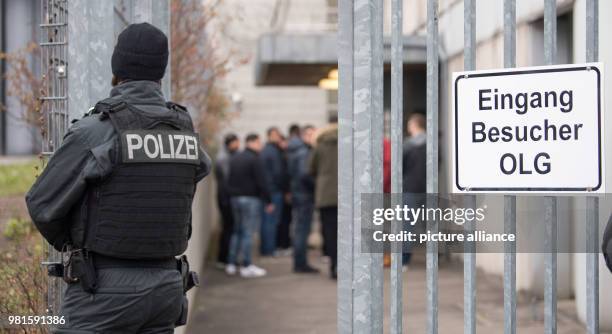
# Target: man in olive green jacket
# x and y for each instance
(323, 166)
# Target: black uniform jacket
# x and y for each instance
(85, 157)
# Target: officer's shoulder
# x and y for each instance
(92, 125)
(89, 123)
(97, 109)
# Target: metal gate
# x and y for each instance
(360, 94)
(54, 59)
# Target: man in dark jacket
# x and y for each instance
(275, 175)
(415, 155)
(247, 190)
(231, 144)
(302, 197)
(323, 166)
(414, 169)
(118, 202)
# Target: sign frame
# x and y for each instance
(457, 187)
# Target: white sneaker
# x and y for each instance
(230, 269)
(252, 271)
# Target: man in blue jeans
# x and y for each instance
(275, 177)
(247, 191)
(302, 196)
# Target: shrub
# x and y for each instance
(23, 280)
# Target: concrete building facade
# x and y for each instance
(255, 107)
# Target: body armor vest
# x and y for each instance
(143, 209)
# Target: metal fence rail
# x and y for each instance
(592, 203)
(54, 111)
(54, 61)
(360, 90)
(510, 201)
(469, 257)
(550, 203)
(397, 106)
(432, 161)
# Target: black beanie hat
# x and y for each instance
(141, 53)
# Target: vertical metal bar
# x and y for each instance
(432, 162)
(142, 11)
(397, 110)
(364, 82)
(469, 257)
(377, 138)
(550, 277)
(509, 33)
(158, 14)
(509, 266)
(550, 202)
(592, 214)
(346, 243)
(509, 201)
(592, 258)
(89, 53)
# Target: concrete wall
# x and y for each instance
(204, 220)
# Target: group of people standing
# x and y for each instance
(275, 188)
(281, 183)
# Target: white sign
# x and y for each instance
(536, 129)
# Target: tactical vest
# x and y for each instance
(143, 209)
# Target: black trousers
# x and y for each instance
(283, 231)
(329, 222)
(227, 227)
(128, 300)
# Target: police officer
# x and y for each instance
(116, 199)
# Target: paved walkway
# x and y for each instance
(284, 302)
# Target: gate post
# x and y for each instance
(89, 53)
(346, 224)
(469, 255)
(346, 221)
(360, 151)
(550, 202)
(432, 162)
(397, 134)
(592, 202)
(510, 200)
(158, 14)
